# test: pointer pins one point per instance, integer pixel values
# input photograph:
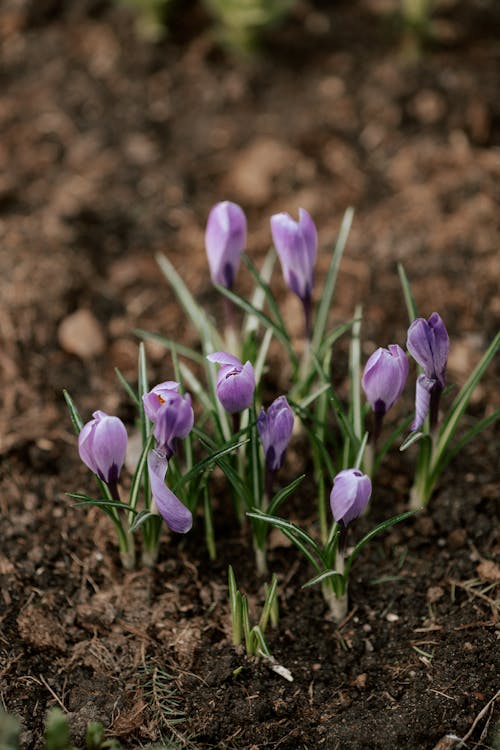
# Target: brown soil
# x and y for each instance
(113, 149)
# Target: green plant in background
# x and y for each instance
(239, 23)
(152, 15)
(57, 733)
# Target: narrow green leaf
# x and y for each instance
(128, 388)
(462, 400)
(280, 333)
(282, 495)
(355, 374)
(308, 400)
(170, 344)
(261, 641)
(194, 312)
(73, 412)
(262, 280)
(359, 457)
(408, 296)
(373, 533)
(322, 577)
(139, 472)
(209, 461)
(284, 525)
(141, 518)
(269, 603)
(262, 355)
(102, 503)
(333, 336)
(413, 437)
(330, 281)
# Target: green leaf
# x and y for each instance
(462, 400)
(333, 336)
(282, 495)
(99, 503)
(330, 281)
(409, 300)
(296, 535)
(263, 286)
(279, 332)
(73, 412)
(355, 375)
(373, 533)
(170, 344)
(322, 577)
(194, 312)
(235, 607)
(390, 440)
(412, 438)
(141, 518)
(258, 635)
(359, 457)
(308, 400)
(128, 388)
(268, 604)
(139, 472)
(209, 461)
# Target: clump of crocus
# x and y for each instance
(235, 382)
(275, 430)
(297, 246)
(172, 417)
(383, 382)
(225, 239)
(428, 344)
(102, 444)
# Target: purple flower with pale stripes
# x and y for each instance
(385, 377)
(429, 344)
(235, 382)
(171, 413)
(297, 244)
(102, 444)
(275, 430)
(175, 514)
(225, 240)
(350, 495)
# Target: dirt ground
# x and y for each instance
(113, 149)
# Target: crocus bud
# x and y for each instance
(275, 429)
(235, 382)
(102, 444)
(350, 494)
(171, 414)
(225, 239)
(297, 246)
(174, 513)
(384, 377)
(428, 344)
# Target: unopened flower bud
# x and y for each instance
(225, 239)
(350, 495)
(102, 444)
(275, 429)
(235, 382)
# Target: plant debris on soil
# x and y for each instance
(113, 149)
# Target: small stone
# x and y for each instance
(391, 617)
(457, 539)
(81, 334)
(488, 571)
(434, 594)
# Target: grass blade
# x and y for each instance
(411, 307)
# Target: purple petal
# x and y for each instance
(297, 251)
(225, 239)
(175, 514)
(440, 346)
(350, 495)
(223, 358)
(102, 444)
(236, 388)
(384, 377)
(422, 400)
(310, 235)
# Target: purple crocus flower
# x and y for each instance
(297, 246)
(225, 239)
(384, 377)
(275, 429)
(102, 444)
(175, 514)
(235, 382)
(429, 344)
(171, 414)
(350, 495)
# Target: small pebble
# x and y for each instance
(81, 334)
